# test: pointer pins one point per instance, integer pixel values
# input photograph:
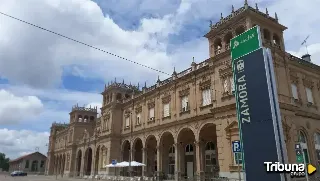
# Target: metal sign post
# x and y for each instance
(236, 148)
(257, 106)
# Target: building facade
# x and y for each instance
(184, 126)
(33, 163)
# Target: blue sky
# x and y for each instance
(42, 76)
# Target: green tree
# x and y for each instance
(4, 162)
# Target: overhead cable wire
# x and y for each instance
(77, 41)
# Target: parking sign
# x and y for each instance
(236, 146)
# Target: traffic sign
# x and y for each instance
(236, 146)
(114, 162)
(245, 43)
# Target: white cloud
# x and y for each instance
(13, 109)
(95, 104)
(16, 143)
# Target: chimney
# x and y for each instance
(306, 57)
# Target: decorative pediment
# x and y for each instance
(294, 76)
(107, 116)
(225, 71)
(232, 126)
(139, 109)
(184, 92)
(205, 84)
(166, 99)
(127, 113)
(308, 83)
(151, 104)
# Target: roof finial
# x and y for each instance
(115, 80)
(158, 79)
(267, 11)
(145, 84)
(246, 2)
(210, 24)
(232, 10)
(130, 83)
(122, 81)
(257, 8)
(221, 17)
(138, 85)
(276, 16)
(192, 59)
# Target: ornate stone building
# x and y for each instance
(184, 125)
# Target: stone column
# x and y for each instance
(159, 160)
(177, 160)
(93, 163)
(144, 161)
(199, 156)
(82, 166)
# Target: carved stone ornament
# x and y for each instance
(308, 83)
(139, 109)
(151, 104)
(226, 85)
(127, 113)
(166, 99)
(205, 85)
(184, 92)
(107, 116)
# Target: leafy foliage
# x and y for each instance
(4, 162)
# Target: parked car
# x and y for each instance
(18, 173)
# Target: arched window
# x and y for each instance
(266, 35)
(217, 46)
(304, 145)
(189, 149)
(240, 30)
(227, 39)
(85, 118)
(79, 118)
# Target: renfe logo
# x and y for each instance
(295, 170)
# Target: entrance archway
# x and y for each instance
(78, 166)
(187, 160)
(168, 155)
(125, 156)
(208, 150)
(88, 159)
(151, 151)
(304, 145)
(137, 155)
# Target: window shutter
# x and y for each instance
(309, 95)
(151, 112)
(208, 96)
(166, 112)
(294, 91)
(184, 102)
(232, 84)
(127, 122)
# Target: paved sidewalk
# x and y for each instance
(36, 178)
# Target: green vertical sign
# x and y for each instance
(245, 43)
(299, 156)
